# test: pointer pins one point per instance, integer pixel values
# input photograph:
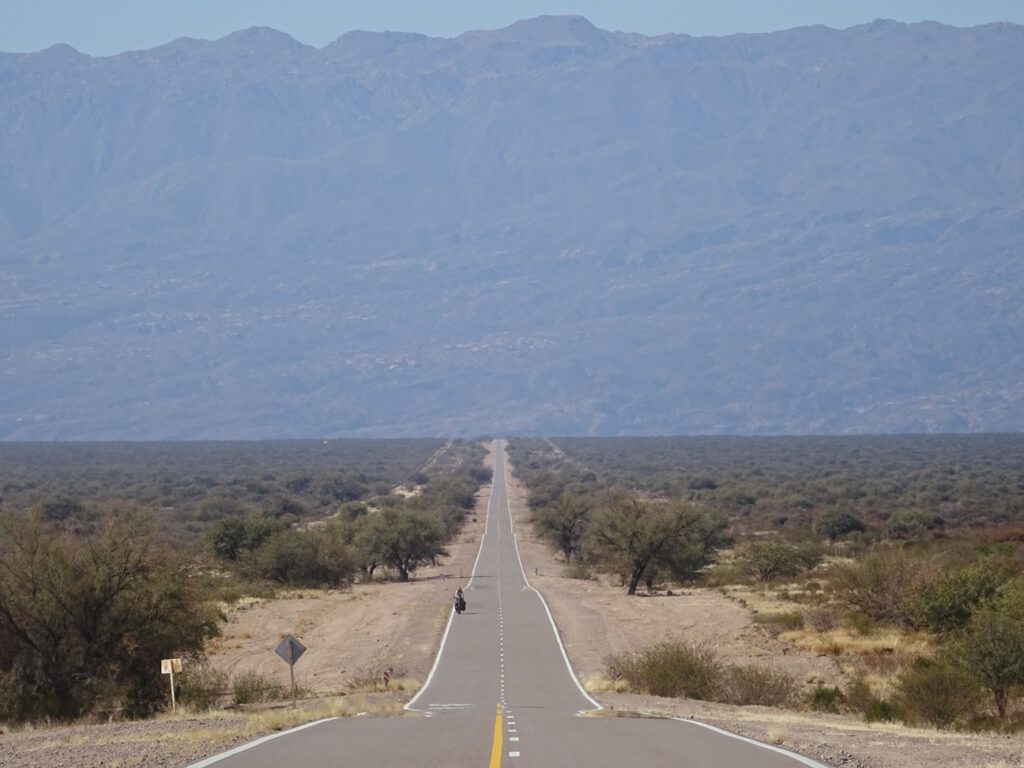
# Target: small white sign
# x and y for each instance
(168, 666)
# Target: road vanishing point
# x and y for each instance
(502, 692)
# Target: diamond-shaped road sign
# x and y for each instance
(290, 649)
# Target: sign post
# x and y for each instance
(169, 667)
(290, 650)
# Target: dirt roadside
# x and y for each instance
(372, 627)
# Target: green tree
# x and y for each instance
(402, 539)
(836, 523)
(232, 535)
(629, 536)
(993, 651)
(84, 619)
(563, 522)
(770, 558)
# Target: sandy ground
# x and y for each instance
(376, 626)
(350, 634)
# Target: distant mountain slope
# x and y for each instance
(544, 228)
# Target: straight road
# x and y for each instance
(502, 692)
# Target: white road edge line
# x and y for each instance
(451, 615)
(554, 627)
(799, 758)
(231, 752)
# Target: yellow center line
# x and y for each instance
(496, 748)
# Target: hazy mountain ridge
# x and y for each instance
(544, 228)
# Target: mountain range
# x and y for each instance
(548, 229)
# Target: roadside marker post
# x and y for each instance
(290, 650)
(169, 667)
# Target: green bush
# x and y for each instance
(881, 711)
(936, 694)
(912, 525)
(945, 605)
(675, 669)
(685, 670)
(823, 699)
(858, 695)
(311, 558)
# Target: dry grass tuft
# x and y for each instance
(368, 681)
(843, 642)
(601, 683)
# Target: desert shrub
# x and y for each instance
(317, 557)
(945, 604)
(880, 586)
(250, 687)
(860, 622)
(823, 699)
(936, 693)
(824, 618)
(1011, 599)
(767, 559)
(912, 524)
(749, 685)
(881, 711)
(202, 686)
(675, 669)
(60, 508)
(858, 695)
(220, 505)
(577, 569)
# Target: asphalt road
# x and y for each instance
(502, 693)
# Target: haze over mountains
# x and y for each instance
(548, 228)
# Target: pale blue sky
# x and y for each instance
(102, 27)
